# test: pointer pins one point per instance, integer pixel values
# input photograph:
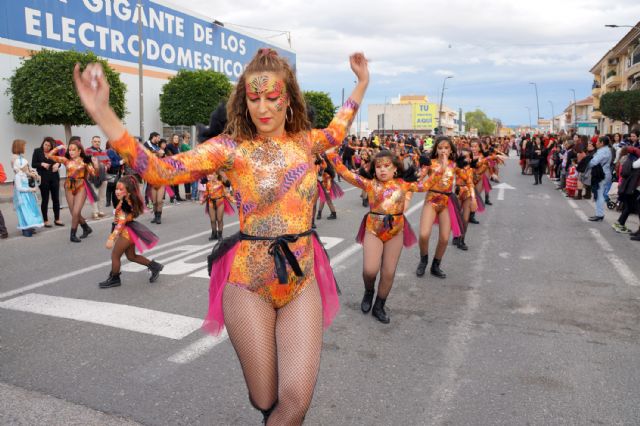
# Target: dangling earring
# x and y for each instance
(246, 114)
(286, 116)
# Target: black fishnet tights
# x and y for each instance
(124, 246)
(380, 257)
(75, 204)
(279, 350)
(216, 215)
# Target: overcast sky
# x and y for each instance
(493, 49)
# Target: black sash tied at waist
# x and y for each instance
(387, 221)
(279, 249)
(448, 194)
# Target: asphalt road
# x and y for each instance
(538, 323)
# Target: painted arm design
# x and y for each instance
(324, 139)
(185, 167)
(348, 175)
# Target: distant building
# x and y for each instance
(583, 121)
(618, 69)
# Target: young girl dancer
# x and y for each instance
(384, 229)
(79, 167)
(216, 203)
(328, 188)
(275, 276)
(441, 205)
(464, 196)
(127, 234)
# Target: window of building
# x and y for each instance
(635, 55)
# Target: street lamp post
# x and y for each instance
(441, 99)
(529, 109)
(140, 70)
(553, 116)
(575, 111)
(537, 102)
(622, 26)
(384, 118)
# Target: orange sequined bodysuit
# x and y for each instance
(275, 183)
(386, 200)
(444, 177)
(464, 192)
(214, 193)
(483, 166)
(77, 171)
(120, 218)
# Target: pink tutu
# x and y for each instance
(169, 191)
(143, 238)
(91, 194)
(336, 191)
(221, 266)
(486, 185)
(455, 216)
(480, 203)
(321, 195)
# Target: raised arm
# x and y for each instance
(52, 155)
(324, 139)
(185, 167)
(423, 185)
(348, 175)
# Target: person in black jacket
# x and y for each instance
(537, 155)
(50, 180)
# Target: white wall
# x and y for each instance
(11, 130)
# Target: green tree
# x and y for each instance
(622, 106)
(478, 120)
(42, 91)
(190, 96)
(324, 108)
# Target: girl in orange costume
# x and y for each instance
(216, 203)
(384, 229)
(440, 205)
(328, 189)
(128, 234)
(277, 283)
(464, 195)
(79, 168)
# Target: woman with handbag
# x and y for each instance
(49, 180)
(537, 154)
(24, 188)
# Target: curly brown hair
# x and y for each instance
(239, 124)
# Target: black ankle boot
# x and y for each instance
(74, 238)
(456, 241)
(219, 235)
(319, 215)
(435, 269)
(366, 301)
(159, 218)
(213, 236)
(155, 269)
(155, 217)
(267, 413)
(112, 281)
(379, 312)
(86, 230)
(486, 200)
(472, 218)
(462, 245)
(332, 216)
(422, 266)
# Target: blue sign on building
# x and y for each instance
(171, 39)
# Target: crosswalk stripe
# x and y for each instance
(132, 318)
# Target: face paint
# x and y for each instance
(274, 89)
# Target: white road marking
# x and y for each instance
(350, 189)
(330, 242)
(132, 318)
(573, 204)
(604, 244)
(501, 187)
(582, 215)
(198, 348)
(504, 254)
(623, 270)
(96, 266)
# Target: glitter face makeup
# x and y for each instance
(267, 101)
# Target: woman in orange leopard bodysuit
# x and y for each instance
(384, 229)
(328, 188)
(79, 167)
(275, 277)
(464, 163)
(216, 203)
(441, 204)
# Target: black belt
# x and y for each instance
(388, 218)
(281, 252)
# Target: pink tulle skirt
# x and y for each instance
(143, 238)
(228, 208)
(480, 203)
(321, 195)
(486, 185)
(169, 191)
(91, 194)
(214, 321)
(455, 216)
(336, 191)
(409, 237)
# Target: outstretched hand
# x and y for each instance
(92, 88)
(360, 66)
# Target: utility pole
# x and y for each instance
(553, 116)
(140, 70)
(537, 102)
(575, 111)
(384, 116)
(441, 99)
(529, 109)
